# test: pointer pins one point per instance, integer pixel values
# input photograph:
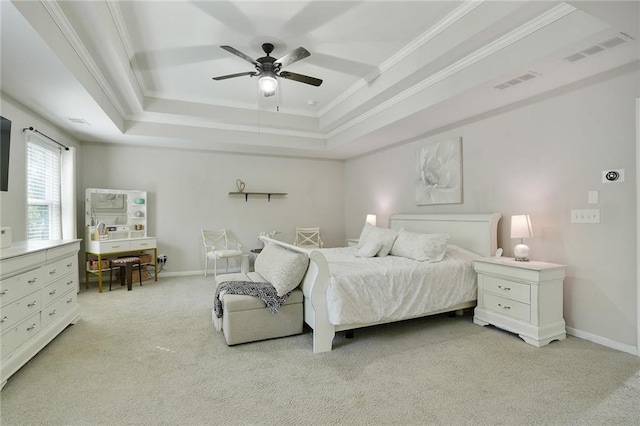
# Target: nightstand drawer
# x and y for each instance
(509, 289)
(508, 307)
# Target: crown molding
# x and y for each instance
(61, 21)
(510, 38)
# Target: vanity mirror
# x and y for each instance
(114, 214)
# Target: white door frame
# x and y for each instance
(638, 221)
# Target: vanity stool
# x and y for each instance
(126, 270)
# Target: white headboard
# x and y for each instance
(475, 232)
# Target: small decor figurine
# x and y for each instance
(240, 185)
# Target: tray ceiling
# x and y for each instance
(139, 72)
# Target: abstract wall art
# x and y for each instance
(439, 173)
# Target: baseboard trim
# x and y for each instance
(603, 341)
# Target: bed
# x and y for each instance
(346, 292)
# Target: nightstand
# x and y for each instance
(521, 297)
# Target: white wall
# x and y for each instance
(188, 191)
(540, 158)
(13, 203)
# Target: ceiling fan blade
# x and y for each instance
(301, 78)
(293, 56)
(240, 74)
(240, 54)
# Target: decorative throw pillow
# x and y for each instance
(383, 236)
(422, 247)
(283, 268)
(369, 249)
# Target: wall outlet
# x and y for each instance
(162, 258)
(585, 216)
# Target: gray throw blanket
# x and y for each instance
(263, 291)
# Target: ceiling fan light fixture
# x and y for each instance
(267, 82)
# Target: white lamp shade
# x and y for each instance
(268, 83)
(521, 226)
(371, 219)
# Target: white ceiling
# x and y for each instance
(139, 72)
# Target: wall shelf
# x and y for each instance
(268, 194)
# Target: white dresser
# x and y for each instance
(39, 286)
(521, 297)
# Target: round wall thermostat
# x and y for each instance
(612, 175)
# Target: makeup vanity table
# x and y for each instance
(117, 226)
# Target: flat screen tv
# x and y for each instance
(5, 140)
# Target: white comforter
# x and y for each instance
(368, 290)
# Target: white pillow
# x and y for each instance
(283, 268)
(422, 247)
(369, 249)
(383, 236)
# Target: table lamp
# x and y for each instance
(371, 219)
(521, 228)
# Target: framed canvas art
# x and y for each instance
(439, 173)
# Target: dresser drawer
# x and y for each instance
(61, 268)
(19, 334)
(512, 290)
(19, 263)
(15, 287)
(504, 306)
(58, 309)
(18, 310)
(145, 244)
(56, 289)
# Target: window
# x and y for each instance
(44, 217)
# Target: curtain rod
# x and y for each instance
(66, 148)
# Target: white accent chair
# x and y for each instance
(308, 237)
(217, 246)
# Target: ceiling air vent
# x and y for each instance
(614, 41)
(79, 121)
(514, 81)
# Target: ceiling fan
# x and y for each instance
(268, 68)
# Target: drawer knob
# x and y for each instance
(32, 327)
(51, 293)
(69, 265)
(32, 304)
(5, 291)
(32, 281)
(4, 319)
(69, 282)
(70, 300)
(52, 272)
(53, 313)
(504, 306)
(504, 288)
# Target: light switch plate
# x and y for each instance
(585, 216)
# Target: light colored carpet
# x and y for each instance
(151, 356)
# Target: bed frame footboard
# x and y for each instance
(314, 286)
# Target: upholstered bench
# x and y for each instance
(247, 318)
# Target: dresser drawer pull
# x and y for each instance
(115, 246)
(69, 265)
(70, 300)
(32, 304)
(503, 306)
(69, 282)
(32, 281)
(32, 327)
(504, 288)
(144, 244)
(53, 313)
(5, 291)
(53, 272)
(4, 319)
(51, 293)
